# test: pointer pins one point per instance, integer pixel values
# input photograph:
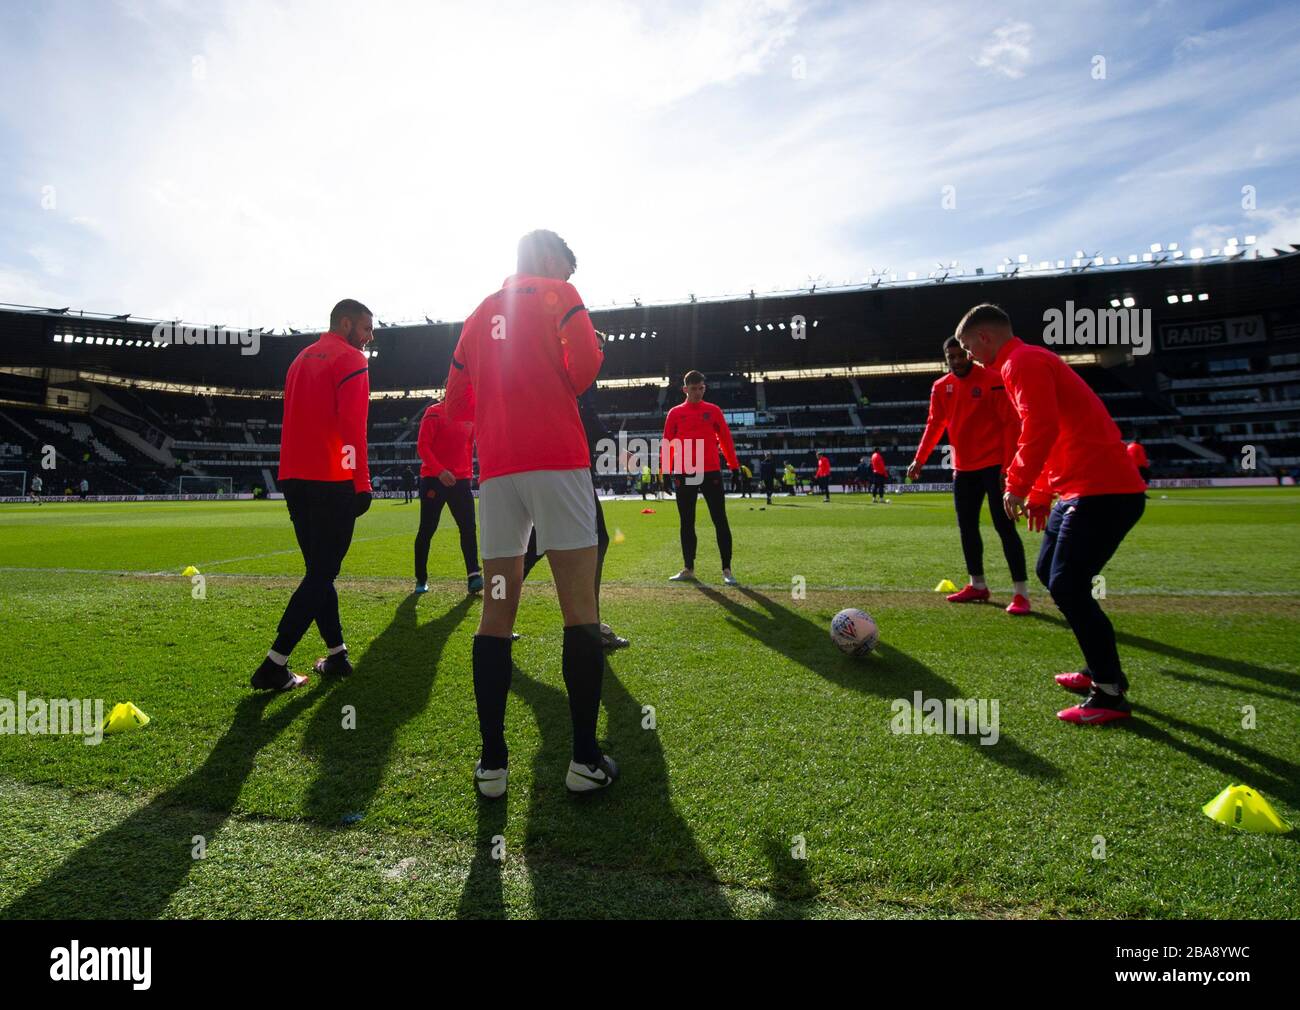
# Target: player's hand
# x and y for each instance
(1013, 506)
(1036, 516)
(361, 503)
(914, 471)
(447, 477)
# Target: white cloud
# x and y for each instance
(1008, 51)
(1275, 228)
(395, 153)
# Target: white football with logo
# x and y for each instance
(854, 632)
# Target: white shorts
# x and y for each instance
(560, 503)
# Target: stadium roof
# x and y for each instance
(882, 323)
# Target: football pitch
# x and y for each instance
(745, 739)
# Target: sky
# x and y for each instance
(251, 163)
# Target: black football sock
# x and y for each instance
(492, 673)
(584, 670)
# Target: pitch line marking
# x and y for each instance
(774, 587)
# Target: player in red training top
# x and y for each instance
(971, 403)
(446, 451)
(325, 477)
(1138, 455)
(1068, 447)
(694, 431)
(879, 476)
(524, 356)
(824, 475)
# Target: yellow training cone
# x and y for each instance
(124, 717)
(945, 586)
(619, 536)
(190, 570)
(1242, 807)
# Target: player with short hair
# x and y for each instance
(37, 486)
(824, 475)
(524, 356)
(446, 451)
(694, 432)
(1138, 454)
(879, 475)
(1069, 448)
(971, 404)
(325, 477)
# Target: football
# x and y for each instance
(854, 632)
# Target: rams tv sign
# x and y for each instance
(1212, 333)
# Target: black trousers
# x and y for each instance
(323, 514)
(433, 496)
(877, 485)
(769, 487)
(1081, 536)
(969, 489)
(825, 484)
(716, 499)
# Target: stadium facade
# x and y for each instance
(1206, 373)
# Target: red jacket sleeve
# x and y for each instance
(352, 397)
(724, 440)
(1033, 386)
(424, 443)
(458, 401)
(935, 425)
(582, 353)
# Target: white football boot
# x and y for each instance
(589, 778)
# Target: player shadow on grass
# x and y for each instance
(1279, 776)
(794, 636)
(1235, 667)
(132, 870)
(1227, 685)
(1285, 776)
(622, 854)
(390, 686)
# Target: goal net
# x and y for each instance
(190, 484)
(13, 483)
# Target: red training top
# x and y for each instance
(524, 355)
(1068, 444)
(1137, 454)
(878, 465)
(981, 422)
(445, 445)
(326, 402)
(703, 425)
(823, 466)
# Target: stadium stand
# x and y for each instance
(1222, 377)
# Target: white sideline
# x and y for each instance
(766, 587)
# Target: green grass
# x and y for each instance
(763, 731)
